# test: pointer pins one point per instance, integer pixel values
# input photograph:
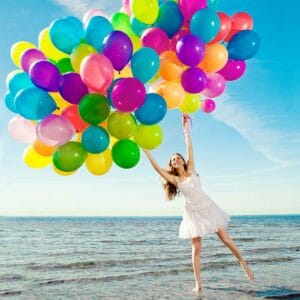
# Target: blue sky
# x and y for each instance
(247, 152)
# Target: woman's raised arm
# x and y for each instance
(188, 141)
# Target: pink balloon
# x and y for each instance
(189, 7)
(93, 13)
(156, 39)
(55, 130)
(208, 105)
(215, 85)
(22, 130)
(97, 72)
(30, 56)
(126, 7)
(233, 69)
(178, 36)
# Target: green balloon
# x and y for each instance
(121, 125)
(121, 21)
(64, 65)
(69, 156)
(94, 108)
(126, 153)
(148, 136)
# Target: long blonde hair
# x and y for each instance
(170, 189)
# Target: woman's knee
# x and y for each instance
(196, 246)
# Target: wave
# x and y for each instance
(10, 293)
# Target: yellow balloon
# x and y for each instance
(99, 164)
(59, 172)
(46, 45)
(60, 101)
(125, 73)
(145, 11)
(112, 141)
(78, 137)
(35, 160)
(136, 42)
(17, 49)
(148, 136)
(190, 104)
(79, 53)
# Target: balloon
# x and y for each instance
(35, 160)
(152, 111)
(99, 164)
(215, 85)
(69, 156)
(79, 53)
(136, 42)
(225, 26)
(243, 45)
(144, 64)
(18, 82)
(42, 148)
(45, 75)
(126, 7)
(62, 173)
(22, 129)
(189, 7)
(118, 48)
(96, 30)
(213, 4)
(92, 13)
(148, 137)
(97, 72)
(137, 26)
(156, 38)
(193, 80)
(208, 105)
(171, 67)
(34, 103)
(121, 125)
(178, 36)
(95, 139)
(205, 24)
(55, 130)
(72, 114)
(121, 21)
(125, 153)
(60, 102)
(190, 104)
(10, 102)
(94, 108)
(215, 58)
(190, 50)
(29, 57)
(64, 65)
(145, 11)
(128, 94)
(72, 88)
(17, 49)
(233, 69)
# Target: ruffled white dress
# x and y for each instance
(201, 215)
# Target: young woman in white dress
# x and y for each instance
(201, 215)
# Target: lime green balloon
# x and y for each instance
(64, 65)
(94, 108)
(145, 11)
(121, 125)
(125, 153)
(190, 104)
(121, 21)
(148, 137)
(69, 156)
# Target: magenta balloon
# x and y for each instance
(118, 48)
(215, 85)
(233, 69)
(178, 36)
(72, 88)
(189, 7)
(128, 94)
(193, 80)
(156, 39)
(208, 105)
(190, 50)
(31, 56)
(45, 75)
(55, 130)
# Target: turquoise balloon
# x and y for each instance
(137, 26)
(145, 64)
(96, 30)
(95, 139)
(10, 102)
(66, 33)
(170, 19)
(19, 82)
(34, 103)
(213, 4)
(205, 24)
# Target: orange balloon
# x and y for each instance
(215, 58)
(43, 149)
(170, 66)
(172, 92)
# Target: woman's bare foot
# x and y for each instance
(197, 288)
(247, 270)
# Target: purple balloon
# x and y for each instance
(72, 88)
(233, 69)
(193, 80)
(208, 105)
(45, 75)
(128, 94)
(190, 50)
(118, 48)
(215, 85)
(31, 56)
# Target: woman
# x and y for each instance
(201, 215)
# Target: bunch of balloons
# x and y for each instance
(94, 91)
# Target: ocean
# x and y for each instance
(143, 258)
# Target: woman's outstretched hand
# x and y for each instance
(186, 122)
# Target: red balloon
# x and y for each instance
(225, 26)
(72, 114)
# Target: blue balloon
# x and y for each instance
(152, 111)
(145, 64)
(213, 4)
(170, 19)
(137, 26)
(243, 45)
(95, 139)
(18, 82)
(205, 23)
(66, 33)
(10, 102)
(34, 103)
(96, 30)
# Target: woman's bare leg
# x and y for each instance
(196, 259)
(224, 237)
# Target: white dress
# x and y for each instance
(201, 215)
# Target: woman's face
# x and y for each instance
(176, 161)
